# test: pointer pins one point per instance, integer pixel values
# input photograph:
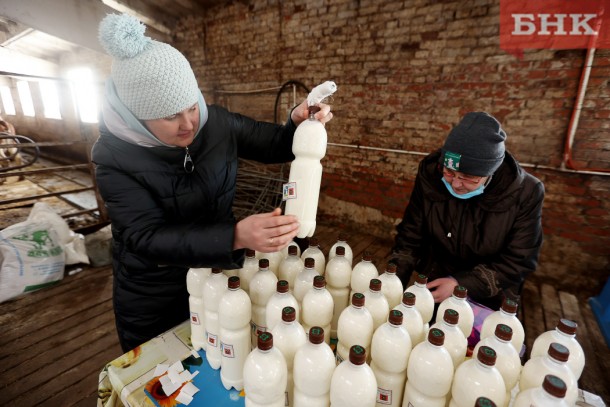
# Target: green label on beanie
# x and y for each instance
(452, 160)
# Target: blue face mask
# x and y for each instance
(467, 195)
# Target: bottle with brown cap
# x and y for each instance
(280, 299)
(551, 393)
(425, 301)
(248, 270)
(213, 288)
(507, 315)
(377, 304)
(342, 241)
(314, 364)
(291, 266)
(355, 327)
(458, 301)
(565, 334)
(262, 286)
(455, 342)
(478, 377)
(338, 275)
(195, 279)
(304, 280)
(265, 374)
(484, 402)
(391, 286)
(353, 383)
(318, 307)
(362, 273)
(554, 362)
(275, 258)
(285, 250)
(313, 250)
(412, 318)
(429, 373)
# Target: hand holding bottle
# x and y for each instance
(266, 232)
(301, 113)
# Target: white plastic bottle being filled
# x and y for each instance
(355, 327)
(353, 383)
(458, 301)
(304, 280)
(342, 241)
(291, 266)
(377, 304)
(262, 286)
(552, 394)
(507, 315)
(338, 275)
(455, 342)
(213, 288)
(195, 279)
(318, 307)
(390, 350)
(412, 319)
(276, 303)
(391, 286)
(362, 274)
(314, 364)
(313, 250)
(425, 300)
(565, 334)
(248, 270)
(265, 374)
(234, 313)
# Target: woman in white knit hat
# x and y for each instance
(166, 166)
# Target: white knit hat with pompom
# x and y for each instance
(152, 79)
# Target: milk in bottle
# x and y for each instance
(213, 288)
(304, 280)
(377, 304)
(355, 327)
(195, 278)
(262, 286)
(362, 274)
(313, 251)
(458, 302)
(353, 383)
(248, 270)
(285, 250)
(565, 334)
(275, 258)
(338, 274)
(550, 394)
(342, 241)
(425, 301)
(506, 315)
(412, 319)
(291, 266)
(265, 374)
(455, 342)
(318, 307)
(391, 286)
(276, 303)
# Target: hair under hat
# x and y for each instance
(475, 146)
(152, 79)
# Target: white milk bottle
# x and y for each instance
(234, 312)
(362, 273)
(314, 251)
(304, 280)
(353, 383)
(291, 266)
(391, 286)
(455, 342)
(377, 304)
(484, 402)
(429, 373)
(318, 307)
(338, 274)
(288, 337)
(425, 301)
(195, 278)
(248, 270)
(507, 315)
(412, 319)
(565, 334)
(508, 362)
(390, 350)
(342, 241)
(551, 394)
(275, 258)
(458, 302)
(302, 191)
(276, 303)
(478, 377)
(213, 288)
(262, 287)
(285, 250)
(355, 326)
(265, 374)
(555, 363)
(314, 364)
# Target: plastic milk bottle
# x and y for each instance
(342, 241)
(291, 266)
(362, 273)
(194, 284)
(412, 319)
(425, 301)
(458, 302)
(213, 288)
(353, 383)
(318, 307)
(565, 334)
(391, 286)
(265, 374)
(280, 299)
(338, 275)
(262, 286)
(355, 326)
(314, 251)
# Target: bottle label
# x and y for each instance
(384, 396)
(339, 358)
(212, 339)
(195, 318)
(257, 329)
(289, 191)
(226, 350)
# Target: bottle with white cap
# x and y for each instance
(390, 350)
(565, 334)
(555, 363)
(508, 361)
(478, 377)
(291, 266)
(318, 307)
(355, 326)
(314, 364)
(425, 301)
(377, 304)
(262, 286)
(506, 315)
(429, 373)
(276, 303)
(195, 279)
(304, 280)
(342, 241)
(275, 258)
(288, 337)
(248, 270)
(455, 342)
(265, 374)
(552, 394)
(314, 251)
(338, 274)
(391, 286)
(213, 288)
(458, 302)
(234, 312)
(353, 383)
(286, 250)
(362, 273)
(412, 319)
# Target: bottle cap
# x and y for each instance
(358, 300)
(558, 352)
(460, 291)
(408, 299)
(293, 250)
(340, 251)
(282, 286)
(265, 341)
(313, 109)
(504, 332)
(233, 283)
(554, 386)
(395, 317)
(509, 306)
(375, 284)
(342, 237)
(313, 242)
(567, 327)
(487, 355)
(316, 335)
(436, 337)
(288, 314)
(367, 256)
(310, 263)
(216, 270)
(357, 355)
(421, 278)
(263, 264)
(451, 316)
(319, 282)
(250, 253)
(484, 402)
(391, 268)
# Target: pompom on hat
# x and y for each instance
(152, 79)
(475, 146)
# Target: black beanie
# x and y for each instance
(475, 146)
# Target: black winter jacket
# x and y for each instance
(488, 243)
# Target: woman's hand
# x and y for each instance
(442, 288)
(301, 113)
(266, 232)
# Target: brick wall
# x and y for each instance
(406, 73)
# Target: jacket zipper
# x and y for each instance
(189, 166)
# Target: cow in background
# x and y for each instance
(9, 156)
